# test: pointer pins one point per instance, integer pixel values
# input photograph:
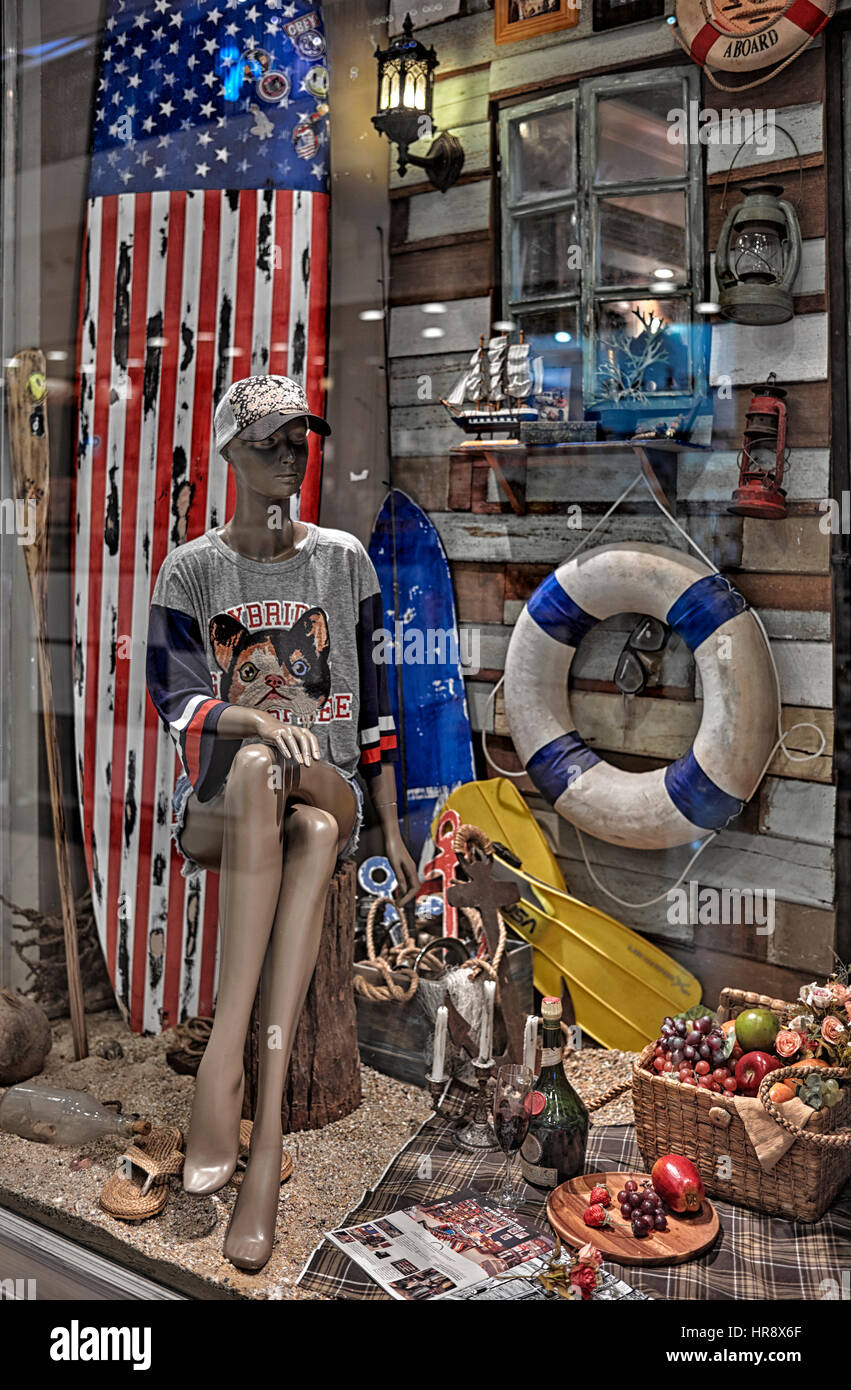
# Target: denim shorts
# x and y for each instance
(180, 800)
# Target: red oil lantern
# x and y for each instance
(763, 456)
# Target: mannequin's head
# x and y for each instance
(262, 425)
(273, 467)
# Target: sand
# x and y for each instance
(182, 1247)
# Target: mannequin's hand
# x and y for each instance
(291, 740)
(402, 865)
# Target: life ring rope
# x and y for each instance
(690, 624)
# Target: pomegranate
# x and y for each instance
(678, 1183)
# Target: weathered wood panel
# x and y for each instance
(806, 672)
(797, 810)
(463, 322)
(421, 430)
(793, 545)
(423, 380)
(804, 123)
(465, 208)
(615, 49)
(426, 480)
(809, 592)
(479, 592)
(456, 271)
(797, 352)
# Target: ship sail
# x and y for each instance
(470, 386)
(496, 368)
(519, 376)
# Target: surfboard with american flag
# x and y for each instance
(205, 259)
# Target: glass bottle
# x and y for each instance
(554, 1148)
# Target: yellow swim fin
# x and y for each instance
(620, 984)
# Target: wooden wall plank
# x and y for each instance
(464, 208)
(797, 810)
(806, 672)
(569, 58)
(426, 480)
(462, 323)
(479, 592)
(804, 123)
(422, 380)
(801, 83)
(442, 272)
(421, 430)
(795, 544)
(810, 592)
(797, 352)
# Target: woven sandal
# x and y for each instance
(157, 1156)
(245, 1128)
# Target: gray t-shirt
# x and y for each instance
(292, 637)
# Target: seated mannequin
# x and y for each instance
(260, 664)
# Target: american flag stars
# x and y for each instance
(184, 64)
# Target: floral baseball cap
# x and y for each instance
(258, 405)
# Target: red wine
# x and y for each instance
(554, 1148)
(510, 1128)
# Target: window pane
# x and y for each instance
(642, 348)
(542, 154)
(554, 337)
(546, 254)
(642, 239)
(632, 135)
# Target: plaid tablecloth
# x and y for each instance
(755, 1256)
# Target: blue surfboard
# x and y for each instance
(434, 726)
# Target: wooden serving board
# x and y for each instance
(685, 1237)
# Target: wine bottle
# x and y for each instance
(554, 1148)
(51, 1115)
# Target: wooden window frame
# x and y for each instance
(583, 97)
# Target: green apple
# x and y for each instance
(756, 1030)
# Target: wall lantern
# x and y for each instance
(763, 456)
(405, 92)
(758, 257)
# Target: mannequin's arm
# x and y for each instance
(382, 788)
(240, 721)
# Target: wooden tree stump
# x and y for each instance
(323, 1081)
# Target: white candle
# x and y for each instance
(486, 1028)
(530, 1041)
(439, 1055)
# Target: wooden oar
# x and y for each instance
(26, 396)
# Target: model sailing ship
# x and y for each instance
(500, 381)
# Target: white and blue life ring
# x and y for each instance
(705, 788)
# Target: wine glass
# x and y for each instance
(511, 1112)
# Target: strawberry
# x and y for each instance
(600, 1196)
(595, 1215)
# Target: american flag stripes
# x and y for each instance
(185, 286)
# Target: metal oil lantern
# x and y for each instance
(763, 456)
(758, 257)
(405, 96)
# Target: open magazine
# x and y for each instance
(454, 1248)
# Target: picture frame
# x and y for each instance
(524, 19)
(613, 14)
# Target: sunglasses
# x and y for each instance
(650, 635)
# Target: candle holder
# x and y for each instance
(476, 1134)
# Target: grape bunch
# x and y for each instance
(692, 1051)
(643, 1207)
(817, 1093)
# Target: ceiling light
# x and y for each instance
(662, 272)
(369, 315)
(433, 333)
(707, 306)
(433, 308)
(563, 336)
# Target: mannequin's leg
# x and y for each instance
(312, 838)
(249, 836)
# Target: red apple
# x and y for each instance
(678, 1183)
(751, 1068)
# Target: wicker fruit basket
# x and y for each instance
(703, 1126)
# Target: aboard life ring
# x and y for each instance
(757, 34)
(700, 791)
